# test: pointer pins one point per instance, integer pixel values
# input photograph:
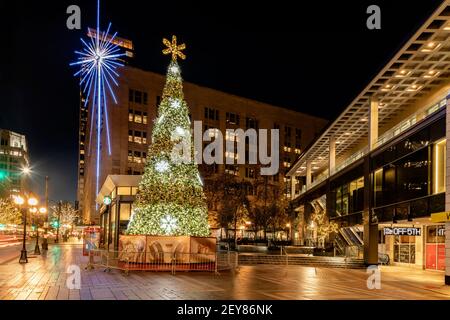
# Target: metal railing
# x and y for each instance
(351, 159)
(410, 121)
(162, 261)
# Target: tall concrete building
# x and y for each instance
(380, 170)
(14, 160)
(131, 122)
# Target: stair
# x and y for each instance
(331, 262)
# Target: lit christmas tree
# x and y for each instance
(170, 200)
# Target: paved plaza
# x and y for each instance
(44, 278)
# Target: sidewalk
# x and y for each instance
(44, 277)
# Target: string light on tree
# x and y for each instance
(162, 166)
(176, 103)
(172, 203)
(168, 224)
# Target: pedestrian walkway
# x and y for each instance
(44, 278)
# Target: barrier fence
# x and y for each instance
(162, 261)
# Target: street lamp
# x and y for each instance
(26, 170)
(42, 210)
(23, 254)
(288, 225)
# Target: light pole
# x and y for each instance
(32, 202)
(59, 217)
(42, 210)
(23, 254)
(288, 225)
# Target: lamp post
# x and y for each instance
(42, 210)
(59, 218)
(23, 254)
(288, 225)
(32, 203)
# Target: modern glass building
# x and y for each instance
(380, 170)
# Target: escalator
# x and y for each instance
(348, 242)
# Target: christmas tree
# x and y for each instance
(170, 200)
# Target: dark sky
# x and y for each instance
(312, 58)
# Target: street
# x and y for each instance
(45, 277)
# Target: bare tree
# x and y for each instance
(66, 216)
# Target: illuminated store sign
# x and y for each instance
(400, 231)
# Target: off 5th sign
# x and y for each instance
(399, 231)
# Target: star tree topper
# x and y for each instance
(174, 49)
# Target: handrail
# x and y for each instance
(418, 116)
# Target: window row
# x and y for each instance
(211, 114)
(137, 96)
(137, 136)
(137, 116)
(137, 156)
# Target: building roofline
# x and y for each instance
(244, 99)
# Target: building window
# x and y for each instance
(130, 135)
(137, 96)
(378, 186)
(405, 249)
(287, 136)
(137, 137)
(232, 118)
(232, 169)
(144, 117)
(137, 156)
(211, 114)
(123, 191)
(138, 116)
(130, 115)
(144, 137)
(251, 123)
(131, 95)
(130, 156)
(250, 173)
(298, 138)
(145, 98)
(439, 163)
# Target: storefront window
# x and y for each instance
(439, 163)
(134, 190)
(349, 197)
(123, 191)
(125, 211)
(112, 215)
(378, 186)
(412, 176)
(405, 249)
(435, 247)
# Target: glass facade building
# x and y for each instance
(381, 164)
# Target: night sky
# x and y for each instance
(315, 59)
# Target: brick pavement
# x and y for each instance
(44, 278)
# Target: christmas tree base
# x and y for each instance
(142, 252)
